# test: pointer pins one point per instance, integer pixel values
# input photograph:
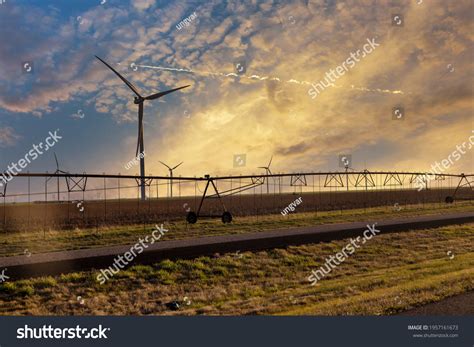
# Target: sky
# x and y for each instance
(250, 65)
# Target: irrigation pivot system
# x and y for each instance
(139, 100)
(98, 199)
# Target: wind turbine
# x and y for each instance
(139, 100)
(56, 172)
(267, 171)
(171, 176)
(346, 169)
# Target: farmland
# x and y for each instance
(111, 212)
(16, 243)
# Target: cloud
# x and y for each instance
(142, 5)
(8, 137)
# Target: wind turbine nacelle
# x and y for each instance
(138, 100)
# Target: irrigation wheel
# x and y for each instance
(191, 217)
(226, 217)
(449, 200)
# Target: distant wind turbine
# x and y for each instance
(139, 100)
(346, 169)
(171, 176)
(56, 172)
(267, 171)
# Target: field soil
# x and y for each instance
(95, 213)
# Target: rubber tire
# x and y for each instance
(226, 217)
(449, 200)
(191, 217)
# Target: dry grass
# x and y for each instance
(389, 274)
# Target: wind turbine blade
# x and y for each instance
(140, 128)
(130, 85)
(56, 158)
(139, 140)
(160, 94)
(140, 144)
(262, 167)
(177, 166)
(270, 163)
(165, 165)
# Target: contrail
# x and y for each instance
(211, 73)
(261, 78)
(377, 90)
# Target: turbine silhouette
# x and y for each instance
(267, 171)
(56, 172)
(139, 100)
(171, 176)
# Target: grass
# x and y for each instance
(389, 274)
(20, 243)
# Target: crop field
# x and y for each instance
(19, 243)
(96, 213)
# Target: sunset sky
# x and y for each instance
(424, 66)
